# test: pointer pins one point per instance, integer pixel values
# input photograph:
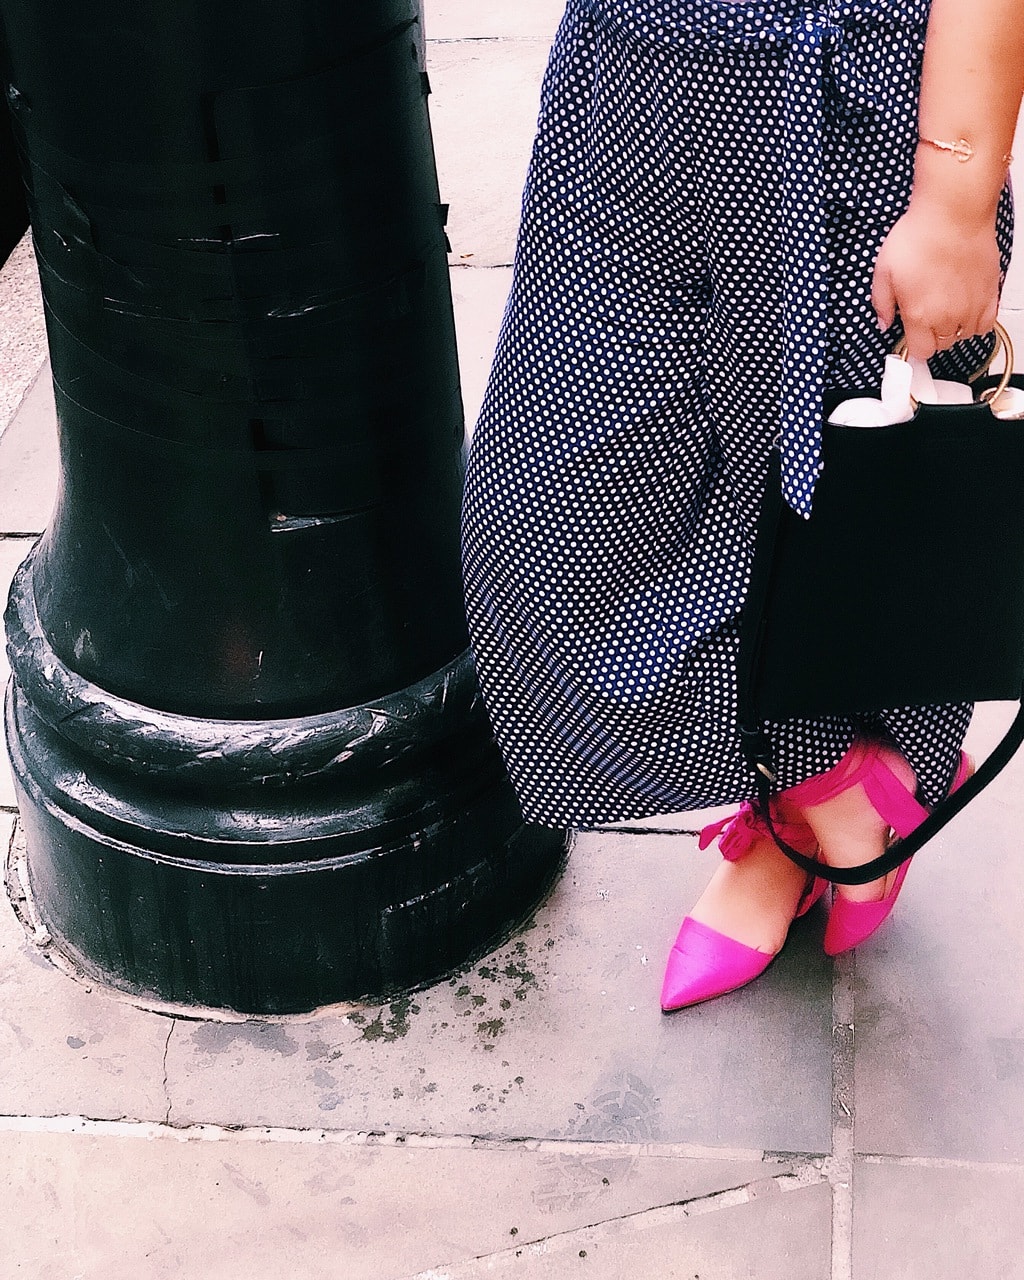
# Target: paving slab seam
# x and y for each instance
(480, 266)
(640, 831)
(166, 1087)
(148, 1129)
(942, 1162)
(667, 1215)
(18, 895)
(839, 1166)
(10, 840)
(535, 40)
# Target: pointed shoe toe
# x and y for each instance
(704, 963)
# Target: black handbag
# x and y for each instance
(905, 587)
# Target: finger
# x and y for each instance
(988, 318)
(982, 319)
(978, 326)
(883, 299)
(920, 339)
(971, 324)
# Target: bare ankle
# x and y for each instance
(850, 833)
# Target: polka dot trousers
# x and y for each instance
(708, 190)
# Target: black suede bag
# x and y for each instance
(905, 587)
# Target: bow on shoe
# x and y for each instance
(738, 831)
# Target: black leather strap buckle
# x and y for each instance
(757, 749)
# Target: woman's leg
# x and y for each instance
(850, 831)
(750, 903)
(925, 756)
(617, 464)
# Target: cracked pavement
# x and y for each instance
(536, 1115)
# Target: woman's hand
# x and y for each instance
(941, 274)
(939, 266)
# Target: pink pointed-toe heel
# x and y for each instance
(704, 963)
(871, 765)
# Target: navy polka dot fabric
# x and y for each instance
(709, 187)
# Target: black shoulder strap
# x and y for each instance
(932, 825)
(757, 747)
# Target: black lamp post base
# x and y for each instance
(266, 867)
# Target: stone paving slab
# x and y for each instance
(29, 461)
(479, 299)
(22, 331)
(781, 1237)
(939, 998)
(925, 1223)
(492, 19)
(68, 1048)
(484, 113)
(557, 1035)
(118, 1207)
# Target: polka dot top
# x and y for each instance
(845, 75)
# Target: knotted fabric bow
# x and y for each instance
(849, 126)
(741, 829)
(825, 92)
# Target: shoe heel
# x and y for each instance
(851, 923)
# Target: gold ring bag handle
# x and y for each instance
(1003, 340)
(1002, 343)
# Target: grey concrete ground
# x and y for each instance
(535, 1116)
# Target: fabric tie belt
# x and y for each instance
(840, 60)
(825, 93)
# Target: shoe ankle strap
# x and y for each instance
(894, 803)
(865, 763)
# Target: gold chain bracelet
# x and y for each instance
(962, 149)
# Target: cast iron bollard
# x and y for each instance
(243, 262)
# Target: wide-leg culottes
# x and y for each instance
(643, 375)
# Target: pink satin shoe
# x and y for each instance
(869, 764)
(704, 963)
